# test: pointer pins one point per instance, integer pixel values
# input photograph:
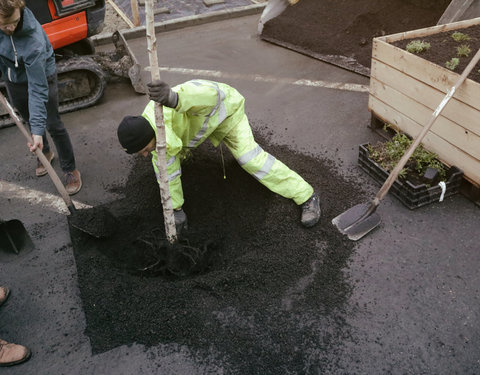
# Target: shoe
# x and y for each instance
(41, 170)
(181, 221)
(13, 354)
(73, 182)
(311, 211)
(4, 293)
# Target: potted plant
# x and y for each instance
(423, 180)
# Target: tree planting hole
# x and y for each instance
(250, 252)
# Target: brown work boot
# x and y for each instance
(4, 293)
(13, 354)
(41, 170)
(73, 182)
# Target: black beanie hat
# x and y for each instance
(134, 133)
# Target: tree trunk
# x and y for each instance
(161, 145)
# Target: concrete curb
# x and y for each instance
(182, 22)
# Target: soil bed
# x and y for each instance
(443, 47)
(347, 27)
(247, 292)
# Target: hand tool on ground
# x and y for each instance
(357, 221)
(103, 224)
(13, 238)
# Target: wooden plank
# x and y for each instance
(428, 30)
(444, 128)
(448, 153)
(425, 71)
(135, 13)
(209, 3)
(121, 14)
(466, 119)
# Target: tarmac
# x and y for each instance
(414, 306)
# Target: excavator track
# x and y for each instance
(81, 83)
(82, 79)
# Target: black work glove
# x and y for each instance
(160, 92)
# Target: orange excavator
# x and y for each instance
(82, 73)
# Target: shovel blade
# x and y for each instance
(356, 222)
(134, 72)
(97, 222)
(14, 238)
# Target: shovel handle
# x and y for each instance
(396, 171)
(51, 172)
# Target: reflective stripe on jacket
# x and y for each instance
(205, 109)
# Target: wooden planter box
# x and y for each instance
(405, 89)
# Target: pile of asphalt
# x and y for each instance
(265, 290)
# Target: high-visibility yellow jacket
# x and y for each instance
(205, 109)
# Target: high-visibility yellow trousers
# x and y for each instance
(268, 170)
(264, 167)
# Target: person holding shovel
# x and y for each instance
(11, 354)
(27, 64)
(198, 110)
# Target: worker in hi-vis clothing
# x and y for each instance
(199, 109)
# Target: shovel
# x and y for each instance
(14, 237)
(102, 225)
(357, 221)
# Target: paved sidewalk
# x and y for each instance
(182, 8)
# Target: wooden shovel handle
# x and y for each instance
(396, 171)
(51, 172)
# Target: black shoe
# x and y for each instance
(311, 211)
(181, 221)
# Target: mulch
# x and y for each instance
(326, 28)
(248, 301)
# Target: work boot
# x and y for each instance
(41, 170)
(311, 211)
(180, 220)
(12, 354)
(4, 293)
(73, 182)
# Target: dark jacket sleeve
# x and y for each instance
(37, 94)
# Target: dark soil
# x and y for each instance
(259, 274)
(347, 27)
(443, 47)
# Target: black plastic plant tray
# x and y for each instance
(412, 196)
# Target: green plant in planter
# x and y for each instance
(463, 50)
(417, 46)
(460, 37)
(453, 63)
(388, 154)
